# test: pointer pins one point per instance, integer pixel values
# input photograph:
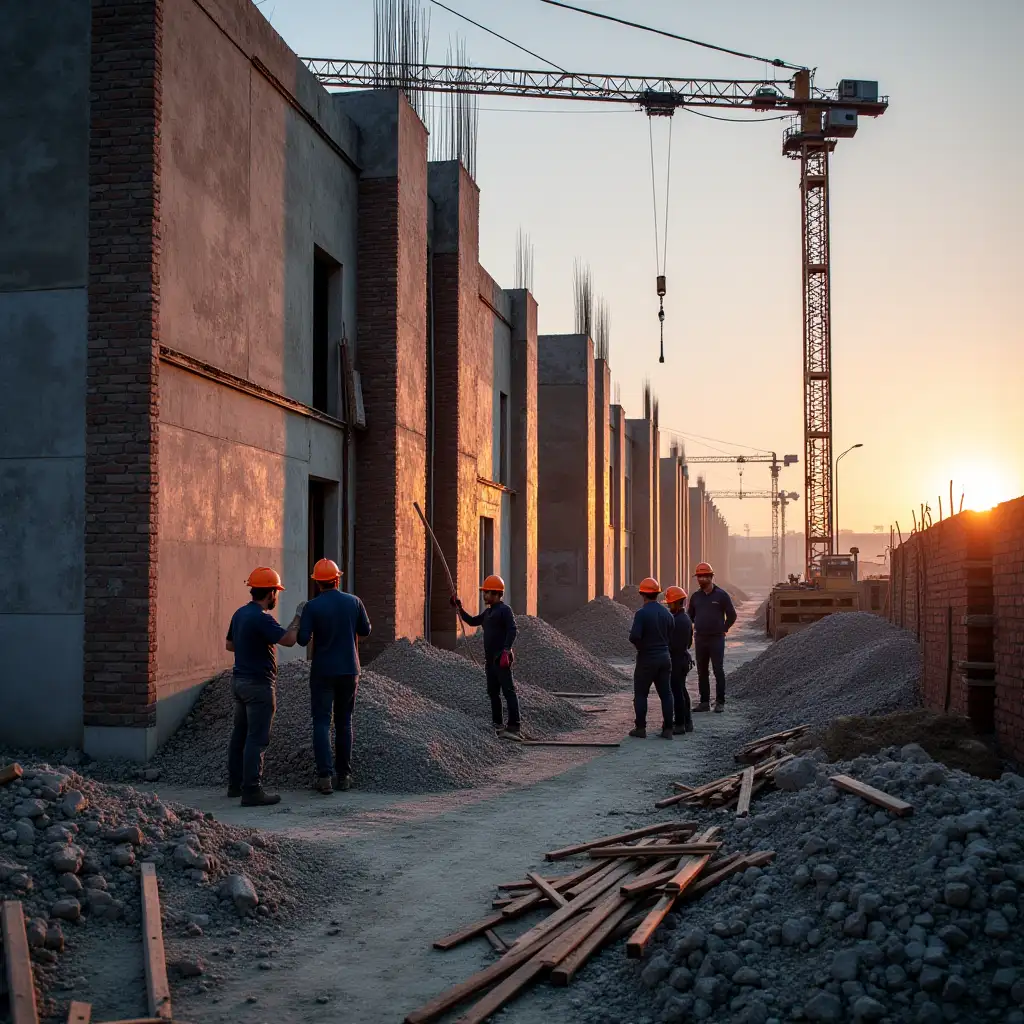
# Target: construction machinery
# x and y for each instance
(794, 605)
(822, 117)
(780, 500)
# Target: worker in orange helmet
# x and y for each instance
(252, 637)
(650, 635)
(679, 648)
(713, 615)
(333, 621)
(500, 631)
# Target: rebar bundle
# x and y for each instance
(602, 330)
(583, 298)
(401, 32)
(454, 119)
(524, 261)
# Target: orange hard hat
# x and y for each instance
(704, 569)
(263, 578)
(674, 594)
(325, 571)
(493, 583)
(649, 586)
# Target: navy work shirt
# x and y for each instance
(682, 637)
(712, 613)
(652, 631)
(333, 619)
(254, 634)
(500, 629)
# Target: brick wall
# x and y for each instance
(122, 395)
(1008, 593)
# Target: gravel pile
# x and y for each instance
(602, 627)
(738, 594)
(71, 852)
(455, 682)
(847, 664)
(550, 660)
(630, 597)
(404, 743)
(861, 917)
(760, 618)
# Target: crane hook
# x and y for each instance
(661, 315)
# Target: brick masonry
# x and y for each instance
(969, 565)
(122, 393)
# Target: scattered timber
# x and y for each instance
(725, 792)
(875, 796)
(10, 772)
(759, 749)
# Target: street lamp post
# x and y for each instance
(835, 540)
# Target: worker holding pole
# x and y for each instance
(679, 649)
(500, 630)
(252, 636)
(650, 635)
(713, 615)
(333, 621)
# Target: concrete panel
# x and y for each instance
(42, 516)
(523, 405)
(44, 106)
(564, 359)
(42, 366)
(41, 698)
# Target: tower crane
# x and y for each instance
(780, 499)
(822, 117)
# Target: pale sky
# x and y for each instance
(927, 224)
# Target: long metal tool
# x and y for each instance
(440, 554)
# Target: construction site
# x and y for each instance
(247, 332)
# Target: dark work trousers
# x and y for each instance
(659, 672)
(709, 648)
(500, 681)
(255, 703)
(680, 698)
(332, 695)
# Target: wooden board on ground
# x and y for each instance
(746, 792)
(568, 743)
(496, 941)
(566, 693)
(548, 890)
(10, 772)
(669, 850)
(158, 992)
(727, 868)
(621, 837)
(875, 796)
(79, 1013)
(21, 992)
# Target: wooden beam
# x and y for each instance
(567, 693)
(674, 849)
(471, 931)
(158, 991)
(496, 941)
(21, 992)
(503, 992)
(524, 883)
(746, 792)
(686, 874)
(567, 743)
(566, 969)
(10, 772)
(875, 796)
(723, 871)
(621, 837)
(79, 1013)
(548, 890)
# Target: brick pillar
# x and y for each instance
(643, 434)
(604, 560)
(524, 448)
(122, 394)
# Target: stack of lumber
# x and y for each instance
(610, 897)
(735, 790)
(757, 750)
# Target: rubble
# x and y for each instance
(602, 627)
(630, 597)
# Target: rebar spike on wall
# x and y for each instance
(401, 33)
(647, 398)
(524, 261)
(654, 412)
(454, 119)
(602, 330)
(583, 298)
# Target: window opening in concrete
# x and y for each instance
(317, 515)
(502, 438)
(486, 550)
(326, 310)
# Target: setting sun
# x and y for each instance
(983, 487)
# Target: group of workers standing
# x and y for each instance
(333, 621)
(663, 635)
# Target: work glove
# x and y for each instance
(298, 611)
(455, 602)
(506, 659)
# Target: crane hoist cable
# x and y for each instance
(661, 252)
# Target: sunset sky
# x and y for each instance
(927, 228)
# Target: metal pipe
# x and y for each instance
(835, 497)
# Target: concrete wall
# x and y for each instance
(604, 562)
(645, 487)
(698, 522)
(43, 278)
(671, 571)
(617, 457)
(565, 407)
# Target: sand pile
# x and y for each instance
(455, 682)
(550, 660)
(602, 627)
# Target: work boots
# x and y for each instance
(679, 730)
(719, 707)
(259, 798)
(323, 785)
(342, 782)
(639, 733)
(234, 792)
(703, 706)
(666, 733)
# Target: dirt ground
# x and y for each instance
(424, 866)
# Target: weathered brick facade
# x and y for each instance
(122, 398)
(1008, 594)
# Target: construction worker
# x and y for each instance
(332, 621)
(500, 630)
(650, 635)
(713, 615)
(679, 648)
(252, 636)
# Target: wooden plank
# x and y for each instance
(566, 969)
(621, 837)
(471, 931)
(503, 992)
(496, 941)
(524, 883)
(567, 693)
(21, 992)
(548, 890)
(642, 885)
(681, 788)
(875, 796)
(686, 875)
(79, 1013)
(775, 737)
(568, 743)
(746, 792)
(674, 849)
(637, 942)
(723, 871)
(158, 991)
(10, 772)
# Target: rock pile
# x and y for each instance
(862, 917)
(550, 660)
(404, 742)
(602, 627)
(71, 849)
(738, 594)
(630, 597)
(847, 664)
(455, 682)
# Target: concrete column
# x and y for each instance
(524, 451)
(565, 436)
(604, 565)
(617, 457)
(670, 563)
(644, 485)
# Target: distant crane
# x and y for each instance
(780, 500)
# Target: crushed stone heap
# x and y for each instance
(455, 682)
(602, 627)
(547, 658)
(630, 597)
